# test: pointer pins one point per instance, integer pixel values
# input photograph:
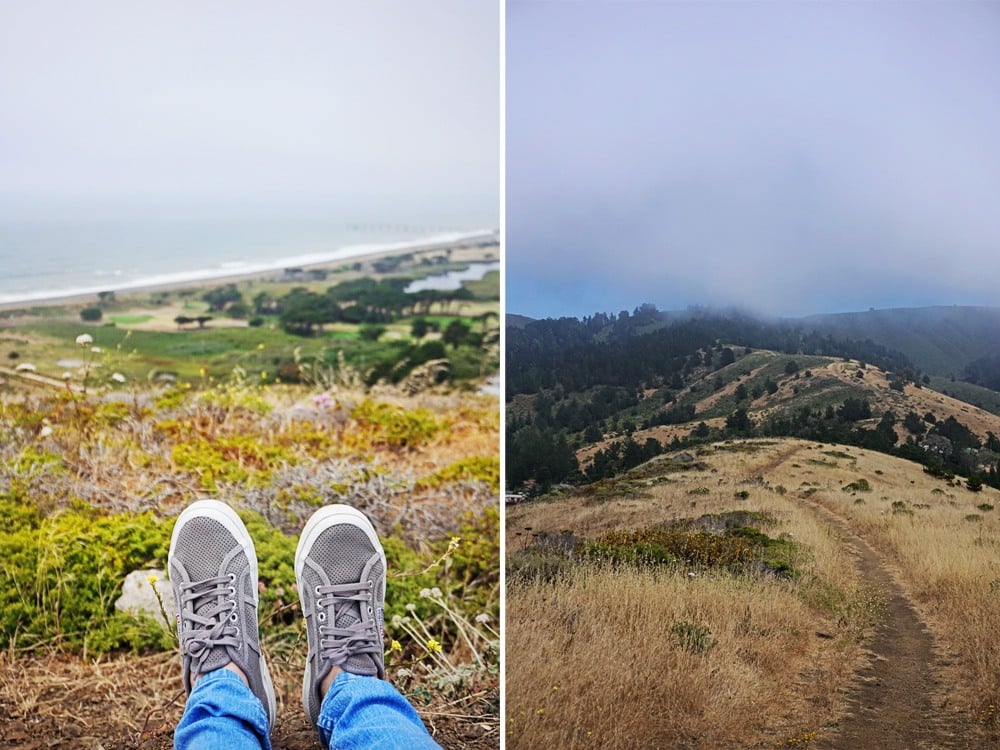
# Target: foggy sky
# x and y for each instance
(789, 158)
(293, 106)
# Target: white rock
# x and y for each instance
(138, 597)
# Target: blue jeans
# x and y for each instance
(357, 712)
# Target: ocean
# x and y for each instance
(45, 260)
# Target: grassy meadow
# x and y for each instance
(709, 601)
(94, 465)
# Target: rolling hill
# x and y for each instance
(590, 398)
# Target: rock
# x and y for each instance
(138, 597)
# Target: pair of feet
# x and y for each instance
(340, 570)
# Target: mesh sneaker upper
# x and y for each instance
(213, 571)
(340, 567)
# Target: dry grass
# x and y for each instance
(592, 657)
(596, 656)
(945, 552)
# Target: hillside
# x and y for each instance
(776, 593)
(109, 430)
(939, 340)
(588, 399)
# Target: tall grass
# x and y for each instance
(943, 543)
(675, 656)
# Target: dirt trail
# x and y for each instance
(897, 699)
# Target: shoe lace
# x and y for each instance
(209, 626)
(338, 643)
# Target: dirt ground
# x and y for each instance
(898, 702)
(127, 702)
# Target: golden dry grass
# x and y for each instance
(591, 658)
(945, 552)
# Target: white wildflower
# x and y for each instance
(84, 339)
(118, 377)
(95, 349)
(425, 593)
(67, 375)
(45, 432)
(483, 618)
(25, 367)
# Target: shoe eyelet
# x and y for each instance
(234, 617)
(232, 591)
(371, 585)
(321, 616)
(370, 610)
(232, 577)
(317, 591)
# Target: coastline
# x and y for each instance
(201, 278)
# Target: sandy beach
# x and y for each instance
(472, 242)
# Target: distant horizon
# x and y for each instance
(731, 309)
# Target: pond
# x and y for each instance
(452, 279)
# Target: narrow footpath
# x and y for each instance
(897, 701)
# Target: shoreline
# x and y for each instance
(199, 279)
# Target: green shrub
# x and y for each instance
(860, 485)
(692, 637)
(393, 425)
(60, 576)
(475, 469)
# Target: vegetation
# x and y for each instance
(94, 466)
(705, 617)
(589, 399)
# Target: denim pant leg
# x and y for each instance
(362, 713)
(222, 712)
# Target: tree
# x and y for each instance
(91, 314)
(419, 328)
(221, 296)
(791, 367)
(854, 410)
(739, 422)
(371, 332)
(974, 483)
(456, 333)
(239, 310)
(913, 423)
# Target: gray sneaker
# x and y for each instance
(340, 569)
(213, 570)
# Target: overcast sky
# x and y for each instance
(787, 157)
(250, 105)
